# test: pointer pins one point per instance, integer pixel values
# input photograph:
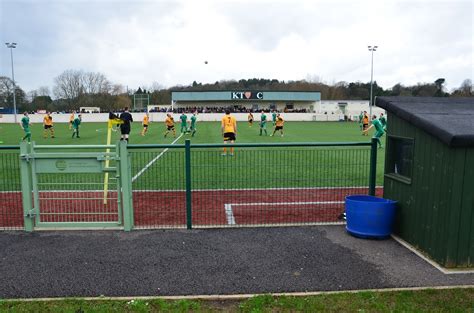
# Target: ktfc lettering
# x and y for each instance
(246, 95)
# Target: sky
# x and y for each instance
(166, 43)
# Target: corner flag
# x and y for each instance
(113, 120)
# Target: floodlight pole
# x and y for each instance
(371, 49)
(11, 46)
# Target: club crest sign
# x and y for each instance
(246, 95)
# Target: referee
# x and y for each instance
(126, 117)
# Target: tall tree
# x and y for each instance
(465, 90)
(439, 87)
(6, 94)
(43, 91)
(95, 83)
(69, 85)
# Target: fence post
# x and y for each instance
(187, 154)
(26, 187)
(373, 167)
(126, 182)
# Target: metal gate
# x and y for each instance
(85, 187)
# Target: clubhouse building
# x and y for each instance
(245, 100)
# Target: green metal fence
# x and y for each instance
(11, 213)
(194, 185)
(185, 185)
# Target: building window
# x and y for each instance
(400, 158)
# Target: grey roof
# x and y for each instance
(451, 120)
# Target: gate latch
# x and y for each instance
(25, 157)
(31, 213)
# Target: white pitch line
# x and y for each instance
(259, 189)
(229, 213)
(153, 161)
(213, 190)
(285, 203)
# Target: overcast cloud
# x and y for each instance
(136, 43)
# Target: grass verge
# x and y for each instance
(428, 300)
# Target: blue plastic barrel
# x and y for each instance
(369, 216)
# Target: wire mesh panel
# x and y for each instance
(158, 177)
(11, 210)
(276, 186)
(194, 185)
(76, 198)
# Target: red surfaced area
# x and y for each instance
(168, 208)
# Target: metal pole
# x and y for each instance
(189, 214)
(26, 187)
(126, 182)
(373, 167)
(371, 83)
(11, 46)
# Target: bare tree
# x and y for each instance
(31, 95)
(95, 83)
(69, 85)
(6, 85)
(466, 89)
(117, 89)
(6, 90)
(73, 83)
(155, 86)
(43, 91)
(313, 78)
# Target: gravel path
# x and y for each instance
(211, 261)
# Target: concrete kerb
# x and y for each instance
(431, 262)
(240, 296)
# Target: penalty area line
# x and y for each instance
(154, 160)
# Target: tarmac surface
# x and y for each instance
(207, 262)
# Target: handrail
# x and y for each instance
(74, 146)
(252, 145)
(11, 147)
(200, 145)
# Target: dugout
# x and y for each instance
(429, 170)
(247, 100)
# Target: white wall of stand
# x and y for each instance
(203, 117)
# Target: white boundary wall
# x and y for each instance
(160, 117)
(203, 117)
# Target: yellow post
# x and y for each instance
(113, 120)
(106, 175)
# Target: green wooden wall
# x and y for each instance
(436, 211)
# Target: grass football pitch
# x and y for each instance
(147, 165)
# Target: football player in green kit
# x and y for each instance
(263, 123)
(378, 129)
(184, 123)
(25, 125)
(192, 129)
(383, 121)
